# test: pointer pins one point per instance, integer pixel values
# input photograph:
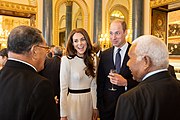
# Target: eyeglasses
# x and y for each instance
(45, 47)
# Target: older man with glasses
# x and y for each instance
(24, 94)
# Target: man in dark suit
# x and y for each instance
(24, 94)
(97, 49)
(172, 71)
(122, 81)
(157, 95)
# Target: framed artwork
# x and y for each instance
(174, 39)
(167, 27)
(159, 24)
(174, 33)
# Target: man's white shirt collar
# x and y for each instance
(153, 72)
(23, 62)
(122, 52)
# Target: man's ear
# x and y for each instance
(33, 52)
(147, 61)
(125, 32)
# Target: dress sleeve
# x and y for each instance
(94, 93)
(64, 79)
(94, 86)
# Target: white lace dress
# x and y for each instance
(72, 75)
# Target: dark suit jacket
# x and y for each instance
(171, 71)
(155, 98)
(24, 94)
(52, 72)
(106, 99)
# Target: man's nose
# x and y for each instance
(113, 36)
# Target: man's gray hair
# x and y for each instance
(153, 47)
(58, 51)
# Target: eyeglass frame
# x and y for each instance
(45, 47)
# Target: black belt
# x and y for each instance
(79, 91)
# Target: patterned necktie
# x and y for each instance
(118, 60)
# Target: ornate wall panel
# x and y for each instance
(17, 10)
(32, 2)
(85, 15)
(108, 10)
(157, 3)
(14, 14)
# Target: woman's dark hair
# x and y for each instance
(88, 55)
(22, 38)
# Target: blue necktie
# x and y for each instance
(118, 60)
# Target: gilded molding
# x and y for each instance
(32, 2)
(18, 7)
(76, 17)
(157, 3)
(107, 17)
(69, 3)
(85, 14)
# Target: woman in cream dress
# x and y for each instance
(77, 79)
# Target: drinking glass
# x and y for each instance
(112, 88)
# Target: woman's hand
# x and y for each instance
(95, 114)
(63, 118)
(56, 99)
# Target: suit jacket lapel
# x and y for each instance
(126, 58)
(112, 57)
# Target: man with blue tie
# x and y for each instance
(116, 58)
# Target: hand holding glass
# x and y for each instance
(112, 88)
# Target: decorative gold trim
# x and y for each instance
(85, 14)
(130, 22)
(157, 3)
(61, 20)
(107, 16)
(19, 11)
(32, 2)
(69, 3)
(129, 18)
(62, 29)
(122, 9)
(76, 15)
(18, 7)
